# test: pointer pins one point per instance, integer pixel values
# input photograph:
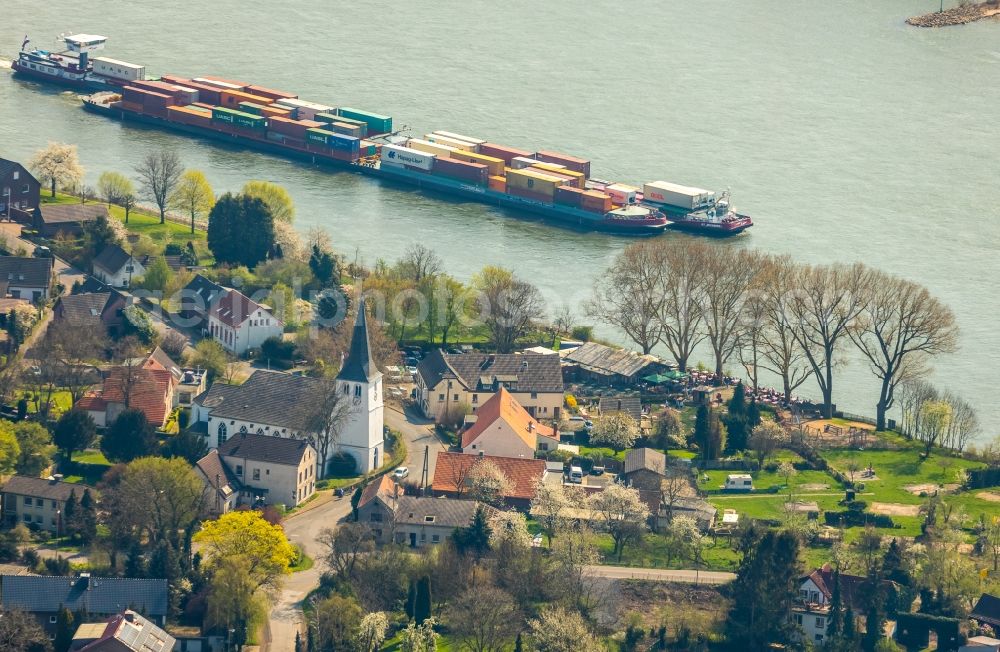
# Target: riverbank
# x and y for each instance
(959, 15)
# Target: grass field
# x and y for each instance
(62, 400)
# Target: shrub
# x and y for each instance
(571, 401)
(342, 465)
(858, 519)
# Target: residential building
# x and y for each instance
(987, 611)
(19, 192)
(92, 310)
(123, 632)
(145, 385)
(224, 487)
(811, 611)
(39, 502)
(606, 365)
(269, 470)
(43, 596)
(645, 468)
(447, 382)
(197, 300)
(453, 473)
(52, 219)
(503, 428)
(117, 267)
(981, 644)
(415, 521)
(240, 324)
(24, 277)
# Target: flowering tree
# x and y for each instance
(371, 631)
(509, 529)
(488, 483)
(622, 513)
(618, 430)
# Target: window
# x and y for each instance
(435, 538)
(423, 536)
(53, 504)
(27, 518)
(357, 390)
(17, 174)
(27, 500)
(475, 398)
(222, 433)
(239, 469)
(798, 619)
(820, 622)
(456, 398)
(819, 637)
(534, 394)
(256, 474)
(542, 446)
(52, 619)
(440, 397)
(376, 517)
(428, 519)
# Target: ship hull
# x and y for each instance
(77, 82)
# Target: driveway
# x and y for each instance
(418, 433)
(66, 274)
(660, 575)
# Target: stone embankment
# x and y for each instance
(960, 15)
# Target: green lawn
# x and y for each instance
(651, 553)
(62, 400)
(88, 467)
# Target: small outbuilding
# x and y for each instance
(738, 482)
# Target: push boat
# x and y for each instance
(555, 186)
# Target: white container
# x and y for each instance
(674, 194)
(304, 110)
(621, 194)
(521, 162)
(218, 84)
(448, 134)
(439, 150)
(451, 142)
(119, 69)
(396, 155)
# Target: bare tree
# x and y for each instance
(484, 619)
(913, 394)
(900, 326)
(629, 295)
(329, 411)
(160, 172)
(964, 423)
(823, 309)
(419, 262)
(672, 487)
(681, 312)
(765, 439)
(345, 546)
(511, 306)
(728, 275)
(622, 513)
(70, 354)
(130, 370)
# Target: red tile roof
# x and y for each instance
(384, 486)
(503, 406)
(234, 308)
(453, 468)
(93, 402)
(149, 392)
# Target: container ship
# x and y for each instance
(555, 186)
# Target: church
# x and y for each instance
(276, 404)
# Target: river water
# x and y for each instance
(845, 133)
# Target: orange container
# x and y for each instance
(232, 99)
(275, 112)
(498, 183)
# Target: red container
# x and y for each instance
(275, 112)
(232, 99)
(132, 95)
(131, 106)
(572, 162)
(174, 79)
(242, 85)
(182, 95)
(270, 92)
(288, 127)
(475, 172)
(500, 151)
(522, 192)
(569, 196)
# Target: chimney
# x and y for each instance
(827, 568)
(85, 581)
(55, 479)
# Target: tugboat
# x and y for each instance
(72, 66)
(718, 219)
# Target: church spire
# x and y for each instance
(359, 366)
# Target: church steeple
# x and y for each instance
(359, 366)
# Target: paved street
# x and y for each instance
(660, 575)
(418, 434)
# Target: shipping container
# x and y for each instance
(528, 193)
(533, 181)
(333, 140)
(377, 123)
(207, 94)
(251, 107)
(447, 134)
(595, 201)
(569, 195)
(221, 85)
(498, 184)
(270, 92)
(522, 162)
(358, 131)
(621, 193)
(578, 178)
(564, 179)
(131, 106)
(674, 194)
(239, 118)
(439, 150)
(398, 155)
(304, 110)
(222, 80)
(351, 121)
(495, 165)
(288, 127)
(118, 69)
(451, 142)
(504, 152)
(181, 94)
(232, 99)
(572, 162)
(189, 116)
(275, 111)
(476, 173)
(368, 148)
(150, 99)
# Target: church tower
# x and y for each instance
(361, 382)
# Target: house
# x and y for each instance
(70, 219)
(987, 611)
(503, 428)
(606, 365)
(197, 299)
(44, 596)
(91, 310)
(738, 482)
(453, 474)
(123, 632)
(19, 192)
(239, 324)
(447, 382)
(145, 385)
(630, 405)
(415, 521)
(645, 468)
(270, 470)
(223, 486)
(981, 644)
(23, 277)
(39, 502)
(701, 511)
(117, 267)
(811, 610)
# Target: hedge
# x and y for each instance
(858, 519)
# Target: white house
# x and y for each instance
(811, 611)
(262, 469)
(117, 267)
(240, 324)
(25, 277)
(281, 405)
(505, 429)
(738, 482)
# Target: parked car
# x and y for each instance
(410, 369)
(41, 251)
(576, 475)
(400, 473)
(597, 470)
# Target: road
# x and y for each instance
(65, 273)
(304, 529)
(660, 575)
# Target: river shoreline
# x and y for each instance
(961, 15)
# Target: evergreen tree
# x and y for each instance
(701, 424)
(74, 431)
(752, 415)
(135, 566)
(64, 630)
(894, 564)
(69, 516)
(737, 404)
(836, 624)
(298, 642)
(474, 539)
(130, 436)
(850, 627)
(240, 230)
(422, 601)
(411, 599)
(322, 264)
(874, 616)
(518, 644)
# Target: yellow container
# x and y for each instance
(493, 164)
(578, 178)
(533, 181)
(428, 147)
(498, 183)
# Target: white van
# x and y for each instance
(576, 475)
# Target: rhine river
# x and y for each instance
(845, 133)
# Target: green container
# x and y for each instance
(328, 118)
(350, 121)
(318, 135)
(249, 121)
(377, 123)
(222, 114)
(250, 107)
(358, 131)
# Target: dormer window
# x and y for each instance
(428, 519)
